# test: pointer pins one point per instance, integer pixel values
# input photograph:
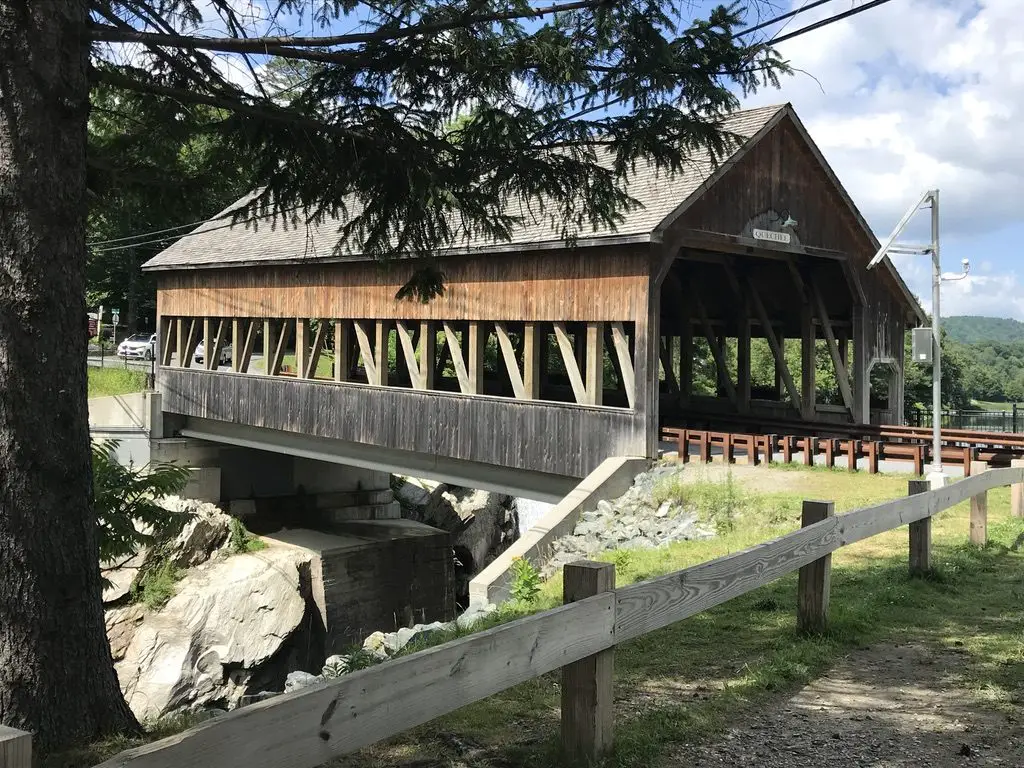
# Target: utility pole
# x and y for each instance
(936, 345)
(931, 198)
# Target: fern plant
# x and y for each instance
(125, 503)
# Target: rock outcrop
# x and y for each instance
(228, 618)
(482, 524)
(228, 631)
(632, 521)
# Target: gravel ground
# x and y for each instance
(889, 706)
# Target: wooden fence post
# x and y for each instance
(588, 714)
(1017, 491)
(815, 578)
(920, 534)
(15, 748)
(979, 510)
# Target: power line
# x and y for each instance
(802, 9)
(774, 41)
(829, 20)
(158, 231)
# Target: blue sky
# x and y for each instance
(919, 94)
(912, 95)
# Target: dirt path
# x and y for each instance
(884, 707)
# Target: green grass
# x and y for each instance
(986, 405)
(324, 365)
(688, 681)
(157, 586)
(104, 382)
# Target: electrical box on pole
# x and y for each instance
(921, 346)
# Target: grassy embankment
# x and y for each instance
(114, 380)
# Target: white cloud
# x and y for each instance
(920, 94)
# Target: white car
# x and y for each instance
(225, 355)
(141, 345)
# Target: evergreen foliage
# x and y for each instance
(437, 120)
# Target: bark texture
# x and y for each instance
(56, 673)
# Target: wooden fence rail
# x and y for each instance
(310, 727)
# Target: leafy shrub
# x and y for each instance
(240, 540)
(125, 502)
(352, 662)
(525, 581)
(156, 585)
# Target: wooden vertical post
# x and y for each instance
(382, 352)
(743, 361)
(342, 345)
(181, 341)
(873, 448)
(533, 342)
(594, 383)
(269, 345)
(301, 346)
(475, 354)
(1017, 491)
(686, 362)
(588, 709)
(979, 511)
(815, 579)
(236, 344)
(16, 748)
(808, 443)
(705, 447)
(920, 534)
(808, 365)
(208, 344)
(787, 449)
(428, 353)
(780, 385)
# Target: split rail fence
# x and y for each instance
(310, 727)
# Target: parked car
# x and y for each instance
(141, 345)
(225, 355)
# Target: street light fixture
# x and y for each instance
(929, 199)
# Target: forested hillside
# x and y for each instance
(983, 360)
(971, 329)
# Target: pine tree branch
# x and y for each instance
(185, 96)
(109, 34)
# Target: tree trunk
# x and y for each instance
(56, 672)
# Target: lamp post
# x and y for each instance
(930, 198)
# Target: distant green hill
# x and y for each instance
(970, 329)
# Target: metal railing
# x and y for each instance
(982, 421)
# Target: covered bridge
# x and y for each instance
(542, 359)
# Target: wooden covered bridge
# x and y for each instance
(540, 360)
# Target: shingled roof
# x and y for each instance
(218, 243)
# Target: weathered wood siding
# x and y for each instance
(556, 438)
(569, 285)
(779, 173)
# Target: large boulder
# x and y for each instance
(227, 618)
(205, 535)
(206, 532)
(482, 524)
